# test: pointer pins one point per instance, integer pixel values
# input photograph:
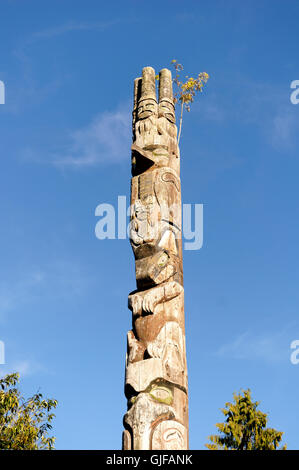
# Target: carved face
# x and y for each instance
(147, 108)
(158, 392)
(155, 269)
(162, 260)
(161, 394)
(143, 412)
(169, 435)
(153, 420)
(166, 109)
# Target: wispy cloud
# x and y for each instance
(272, 347)
(104, 140)
(260, 105)
(61, 29)
(268, 107)
(284, 128)
(25, 296)
(19, 292)
(30, 89)
(63, 277)
(72, 26)
(211, 108)
(24, 367)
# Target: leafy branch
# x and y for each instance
(186, 91)
(24, 424)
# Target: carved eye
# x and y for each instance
(161, 394)
(149, 200)
(163, 259)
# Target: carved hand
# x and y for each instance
(135, 303)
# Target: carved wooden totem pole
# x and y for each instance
(156, 371)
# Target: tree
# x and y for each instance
(187, 90)
(244, 427)
(24, 424)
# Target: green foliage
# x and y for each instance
(244, 427)
(24, 424)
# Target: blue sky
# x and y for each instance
(68, 68)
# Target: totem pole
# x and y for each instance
(156, 371)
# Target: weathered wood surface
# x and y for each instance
(156, 371)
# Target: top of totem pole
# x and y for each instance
(145, 87)
(154, 129)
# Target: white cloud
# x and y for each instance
(105, 140)
(72, 26)
(211, 108)
(17, 293)
(214, 112)
(268, 107)
(24, 296)
(261, 106)
(30, 90)
(284, 128)
(24, 367)
(63, 277)
(272, 347)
